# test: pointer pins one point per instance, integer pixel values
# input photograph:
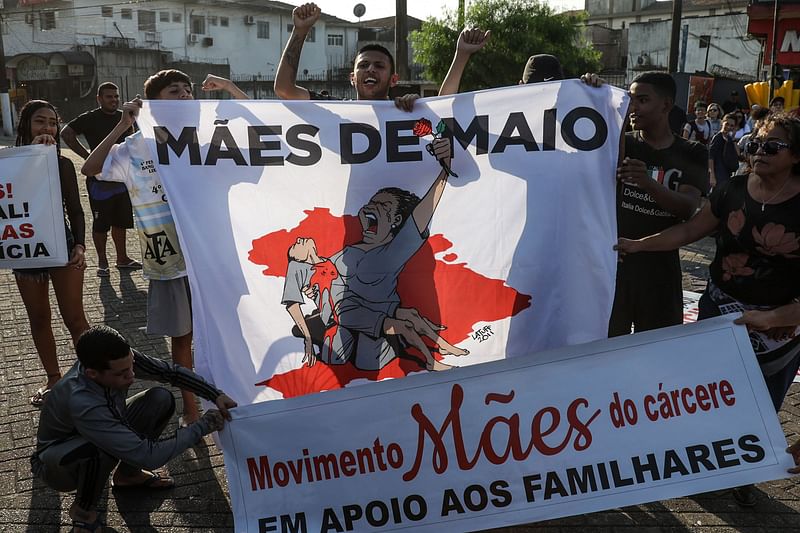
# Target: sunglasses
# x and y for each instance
(770, 147)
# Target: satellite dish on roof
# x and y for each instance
(359, 10)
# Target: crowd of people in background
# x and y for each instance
(728, 170)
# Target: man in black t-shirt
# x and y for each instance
(111, 205)
(732, 104)
(661, 180)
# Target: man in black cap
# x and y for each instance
(732, 104)
(776, 104)
(542, 67)
(539, 68)
(546, 67)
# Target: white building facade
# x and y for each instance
(58, 40)
(710, 44)
(247, 35)
(713, 36)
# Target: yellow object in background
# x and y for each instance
(758, 93)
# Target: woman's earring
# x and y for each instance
(394, 226)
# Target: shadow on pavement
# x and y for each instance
(650, 517)
(136, 508)
(200, 488)
(44, 510)
(197, 492)
(768, 512)
(130, 302)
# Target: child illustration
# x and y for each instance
(313, 276)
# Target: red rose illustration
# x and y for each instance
(736, 222)
(773, 239)
(423, 127)
(735, 265)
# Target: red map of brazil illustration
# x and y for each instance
(442, 290)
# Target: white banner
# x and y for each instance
(512, 256)
(618, 422)
(31, 208)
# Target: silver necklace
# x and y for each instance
(768, 200)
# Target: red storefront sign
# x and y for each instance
(760, 25)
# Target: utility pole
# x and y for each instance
(675, 35)
(773, 57)
(707, 41)
(401, 40)
(5, 101)
(684, 41)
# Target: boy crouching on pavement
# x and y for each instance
(88, 426)
(168, 297)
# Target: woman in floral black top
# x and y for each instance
(756, 268)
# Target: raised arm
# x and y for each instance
(469, 41)
(93, 165)
(217, 83)
(303, 18)
(70, 138)
(423, 213)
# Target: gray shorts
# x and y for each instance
(169, 307)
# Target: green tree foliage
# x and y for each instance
(520, 28)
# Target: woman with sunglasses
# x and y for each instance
(38, 124)
(756, 268)
(713, 114)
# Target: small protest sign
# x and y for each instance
(32, 233)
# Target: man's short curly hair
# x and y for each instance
(161, 79)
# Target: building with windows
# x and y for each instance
(61, 49)
(634, 35)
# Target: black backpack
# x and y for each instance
(699, 136)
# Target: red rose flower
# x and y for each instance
(423, 127)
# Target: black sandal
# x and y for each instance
(89, 526)
(38, 398)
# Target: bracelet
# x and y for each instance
(81, 245)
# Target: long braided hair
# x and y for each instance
(24, 127)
